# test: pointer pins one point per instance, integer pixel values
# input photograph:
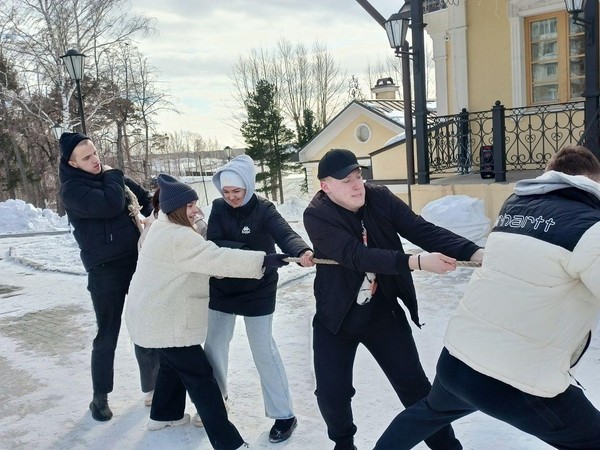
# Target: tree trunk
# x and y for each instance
(22, 171)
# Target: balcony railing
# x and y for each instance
(524, 138)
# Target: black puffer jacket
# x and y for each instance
(254, 226)
(336, 234)
(97, 208)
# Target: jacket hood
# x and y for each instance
(553, 181)
(243, 166)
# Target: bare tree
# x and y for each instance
(330, 84)
(304, 80)
(147, 99)
(35, 33)
(296, 89)
(41, 31)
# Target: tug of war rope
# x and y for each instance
(331, 261)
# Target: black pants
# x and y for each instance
(389, 339)
(108, 285)
(187, 368)
(147, 359)
(567, 421)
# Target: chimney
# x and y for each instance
(385, 89)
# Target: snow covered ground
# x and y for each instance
(47, 325)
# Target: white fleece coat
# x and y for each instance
(167, 304)
(529, 312)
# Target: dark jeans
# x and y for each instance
(187, 368)
(108, 284)
(147, 359)
(567, 421)
(389, 339)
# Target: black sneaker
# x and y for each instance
(339, 447)
(100, 409)
(282, 429)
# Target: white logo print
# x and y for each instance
(246, 230)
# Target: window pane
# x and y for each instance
(546, 93)
(544, 60)
(544, 50)
(576, 60)
(543, 29)
(576, 45)
(577, 87)
(577, 67)
(544, 73)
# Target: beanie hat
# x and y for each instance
(174, 194)
(68, 141)
(230, 178)
(337, 163)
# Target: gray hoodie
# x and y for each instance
(243, 165)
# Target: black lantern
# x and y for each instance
(57, 130)
(396, 27)
(73, 61)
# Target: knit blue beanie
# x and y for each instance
(68, 141)
(174, 194)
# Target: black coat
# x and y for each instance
(336, 233)
(97, 207)
(255, 226)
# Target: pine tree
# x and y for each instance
(267, 138)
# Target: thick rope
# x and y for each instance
(331, 261)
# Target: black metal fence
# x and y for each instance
(521, 138)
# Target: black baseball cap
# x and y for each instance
(337, 163)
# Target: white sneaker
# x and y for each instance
(148, 398)
(154, 425)
(198, 421)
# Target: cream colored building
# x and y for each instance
(524, 53)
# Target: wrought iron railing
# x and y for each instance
(527, 136)
(430, 6)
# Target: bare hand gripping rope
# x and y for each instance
(331, 261)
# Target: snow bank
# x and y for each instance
(16, 216)
(461, 214)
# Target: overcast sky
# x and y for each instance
(199, 41)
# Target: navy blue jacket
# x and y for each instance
(336, 233)
(97, 208)
(255, 226)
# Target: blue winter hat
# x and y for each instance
(68, 141)
(174, 194)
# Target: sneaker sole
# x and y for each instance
(155, 425)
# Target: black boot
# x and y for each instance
(99, 408)
(282, 429)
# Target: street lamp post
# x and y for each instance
(591, 94)
(415, 7)
(73, 61)
(396, 28)
(418, 43)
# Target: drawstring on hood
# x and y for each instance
(243, 166)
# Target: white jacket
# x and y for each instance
(167, 304)
(528, 314)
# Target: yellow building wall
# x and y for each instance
(489, 58)
(347, 139)
(390, 164)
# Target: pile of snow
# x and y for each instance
(461, 214)
(16, 216)
(292, 209)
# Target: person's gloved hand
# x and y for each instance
(275, 260)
